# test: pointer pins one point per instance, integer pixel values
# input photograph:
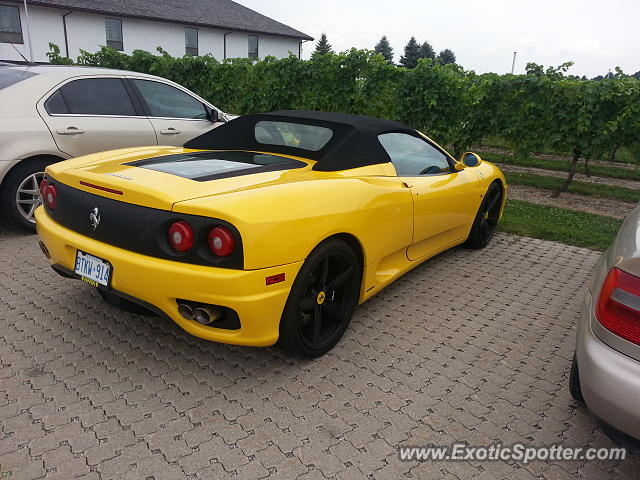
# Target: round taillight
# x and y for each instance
(180, 236)
(221, 241)
(43, 186)
(49, 196)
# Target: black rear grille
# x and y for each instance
(139, 229)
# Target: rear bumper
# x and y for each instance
(160, 282)
(610, 380)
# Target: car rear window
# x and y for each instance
(211, 165)
(306, 137)
(11, 76)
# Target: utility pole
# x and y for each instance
(26, 17)
(513, 65)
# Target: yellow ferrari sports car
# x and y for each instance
(269, 229)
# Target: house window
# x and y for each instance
(10, 27)
(253, 46)
(113, 27)
(191, 41)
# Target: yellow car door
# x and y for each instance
(445, 201)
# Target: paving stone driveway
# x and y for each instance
(472, 346)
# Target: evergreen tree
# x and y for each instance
(384, 48)
(426, 51)
(446, 56)
(322, 47)
(410, 57)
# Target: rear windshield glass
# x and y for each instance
(205, 166)
(306, 137)
(11, 76)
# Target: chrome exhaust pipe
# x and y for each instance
(206, 315)
(186, 311)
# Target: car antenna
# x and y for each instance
(20, 53)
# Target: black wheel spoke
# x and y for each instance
(308, 303)
(340, 279)
(325, 272)
(493, 202)
(317, 324)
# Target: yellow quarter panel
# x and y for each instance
(282, 223)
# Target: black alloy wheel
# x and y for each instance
(322, 300)
(486, 221)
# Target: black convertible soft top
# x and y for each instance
(353, 143)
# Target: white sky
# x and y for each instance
(596, 35)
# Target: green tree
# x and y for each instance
(446, 56)
(323, 46)
(410, 57)
(437, 100)
(544, 110)
(426, 51)
(383, 48)
(54, 56)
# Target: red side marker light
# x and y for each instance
(275, 279)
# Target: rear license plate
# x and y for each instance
(92, 270)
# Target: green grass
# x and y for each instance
(566, 226)
(563, 166)
(584, 188)
(624, 155)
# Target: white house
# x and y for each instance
(222, 28)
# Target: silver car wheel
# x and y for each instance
(28, 196)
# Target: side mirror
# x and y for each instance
(213, 114)
(470, 159)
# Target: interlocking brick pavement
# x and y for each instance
(471, 346)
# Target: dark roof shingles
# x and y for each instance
(213, 13)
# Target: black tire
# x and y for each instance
(322, 300)
(574, 381)
(22, 175)
(486, 221)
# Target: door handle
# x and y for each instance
(169, 131)
(69, 131)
